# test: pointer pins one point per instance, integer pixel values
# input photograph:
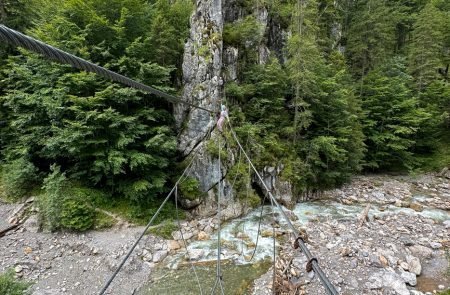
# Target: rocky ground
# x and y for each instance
(68, 263)
(394, 253)
(390, 253)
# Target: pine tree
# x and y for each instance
(97, 131)
(305, 63)
(392, 117)
(426, 52)
(370, 36)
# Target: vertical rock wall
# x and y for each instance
(206, 65)
(202, 81)
(202, 64)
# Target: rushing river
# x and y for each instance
(238, 244)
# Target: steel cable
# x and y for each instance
(219, 281)
(20, 40)
(185, 243)
(124, 260)
(316, 267)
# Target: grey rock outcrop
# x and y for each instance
(280, 189)
(202, 63)
(388, 279)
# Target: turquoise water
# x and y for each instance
(238, 243)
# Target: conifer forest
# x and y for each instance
(325, 89)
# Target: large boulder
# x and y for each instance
(387, 279)
(280, 189)
(414, 265)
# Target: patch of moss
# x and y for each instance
(190, 189)
(164, 229)
(213, 149)
(103, 221)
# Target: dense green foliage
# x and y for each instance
(359, 88)
(61, 207)
(97, 132)
(349, 86)
(11, 286)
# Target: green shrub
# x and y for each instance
(11, 286)
(142, 215)
(51, 201)
(18, 177)
(164, 229)
(213, 149)
(62, 206)
(77, 215)
(103, 220)
(190, 189)
(247, 31)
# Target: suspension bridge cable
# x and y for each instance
(274, 248)
(18, 39)
(184, 241)
(124, 260)
(218, 281)
(312, 260)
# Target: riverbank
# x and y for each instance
(400, 249)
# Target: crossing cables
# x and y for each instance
(18, 39)
(124, 260)
(312, 261)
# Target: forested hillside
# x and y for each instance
(351, 86)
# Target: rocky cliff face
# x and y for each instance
(207, 65)
(202, 81)
(202, 64)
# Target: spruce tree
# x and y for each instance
(426, 52)
(392, 117)
(370, 37)
(99, 132)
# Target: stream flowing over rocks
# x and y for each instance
(402, 247)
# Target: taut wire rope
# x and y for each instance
(330, 289)
(124, 260)
(21, 40)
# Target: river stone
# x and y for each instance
(159, 256)
(414, 265)
(384, 261)
(404, 265)
(447, 224)
(387, 279)
(375, 260)
(173, 245)
(18, 269)
(266, 233)
(196, 254)
(147, 255)
(421, 251)
(435, 245)
(202, 236)
(409, 278)
(416, 207)
(32, 224)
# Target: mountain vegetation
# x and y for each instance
(375, 99)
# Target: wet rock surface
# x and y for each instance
(394, 252)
